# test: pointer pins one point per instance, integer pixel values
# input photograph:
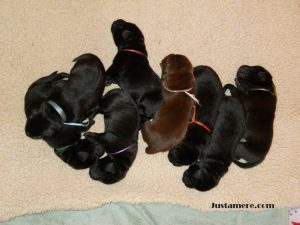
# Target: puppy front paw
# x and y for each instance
(230, 90)
(150, 151)
(108, 81)
(227, 92)
(90, 135)
(204, 174)
(63, 75)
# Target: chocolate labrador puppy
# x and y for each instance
(214, 160)
(256, 91)
(58, 110)
(209, 92)
(119, 140)
(131, 69)
(170, 122)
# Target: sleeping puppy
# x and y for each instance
(170, 122)
(209, 91)
(131, 69)
(119, 140)
(216, 157)
(256, 92)
(58, 110)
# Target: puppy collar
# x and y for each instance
(263, 89)
(63, 149)
(63, 116)
(198, 122)
(134, 51)
(124, 149)
(184, 91)
(58, 109)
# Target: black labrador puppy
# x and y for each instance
(58, 110)
(256, 91)
(209, 92)
(131, 69)
(217, 155)
(119, 140)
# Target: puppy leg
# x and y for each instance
(110, 75)
(204, 174)
(211, 166)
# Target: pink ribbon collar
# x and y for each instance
(134, 51)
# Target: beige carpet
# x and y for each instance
(39, 37)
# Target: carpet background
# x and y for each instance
(39, 37)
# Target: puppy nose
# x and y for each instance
(32, 135)
(118, 24)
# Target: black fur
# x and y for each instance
(259, 106)
(209, 92)
(216, 157)
(132, 71)
(121, 118)
(77, 96)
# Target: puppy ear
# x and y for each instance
(264, 76)
(126, 34)
(242, 75)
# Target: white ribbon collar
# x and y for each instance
(184, 91)
(63, 116)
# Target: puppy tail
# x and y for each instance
(204, 174)
(245, 158)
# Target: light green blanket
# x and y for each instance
(152, 214)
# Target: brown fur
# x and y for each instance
(170, 122)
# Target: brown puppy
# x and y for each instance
(170, 122)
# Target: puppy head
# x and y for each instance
(177, 72)
(126, 34)
(249, 77)
(45, 123)
(41, 123)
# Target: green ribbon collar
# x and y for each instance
(63, 149)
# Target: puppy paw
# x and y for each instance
(107, 171)
(91, 122)
(204, 175)
(63, 75)
(230, 90)
(182, 156)
(90, 135)
(108, 81)
(227, 92)
(150, 151)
